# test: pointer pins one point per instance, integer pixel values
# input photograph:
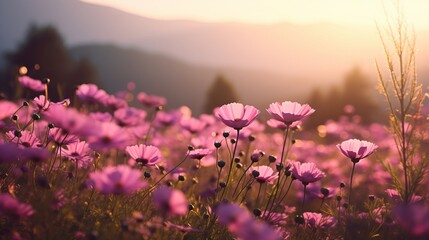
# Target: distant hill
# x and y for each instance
(182, 83)
(317, 52)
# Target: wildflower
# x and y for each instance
(32, 84)
(412, 218)
(41, 102)
(289, 112)
(317, 220)
(69, 119)
(151, 100)
(80, 152)
(280, 125)
(236, 115)
(266, 174)
(101, 116)
(397, 198)
(109, 135)
(90, 93)
(24, 139)
(12, 207)
(114, 102)
(306, 172)
(170, 201)
(129, 116)
(193, 125)
(356, 149)
(61, 137)
(232, 216)
(120, 179)
(144, 154)
(199, 153)
(256, 155)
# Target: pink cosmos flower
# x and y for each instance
(109, 135)
(32, 84)
(317, 220)
(151, 100)
(114, 102)
(90, 93)
(199, 153)
(356, 149)
(281, 125)
(266, 174)
(80, 152)
(12, 207)
(129, 116)
(69, 119)
(397, 198)
(236, 115)
(193, 125)
(306, 172)
(41, 102)
(170, 201)
(233, 216)
(101, 116)
(27, 139)
(144, 154)
(120, 179)
(60, 137)
(289, 112)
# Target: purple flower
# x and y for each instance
(151, 100)
(32, 84)
(129, 116)
(61, 137)
(80, 152)
(412, 218)
(265, 174)
(236, 115)
(26, 138)
(199, 153)
(41, 102)
(232, 216)
(356, 149)
(317, 220)
(193, 125)
(170, 201)
(12, 207)
(306, 172)
(144, 155)
(90, 93)
(289, 112)
(120, 179)
(109, 135)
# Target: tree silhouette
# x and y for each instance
(44, 54)
(355, 90)
(220, 92)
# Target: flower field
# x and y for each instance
(119, 166)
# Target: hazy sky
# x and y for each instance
(361, 12)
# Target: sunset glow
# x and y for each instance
(363, 12)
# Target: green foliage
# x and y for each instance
(403, 93)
